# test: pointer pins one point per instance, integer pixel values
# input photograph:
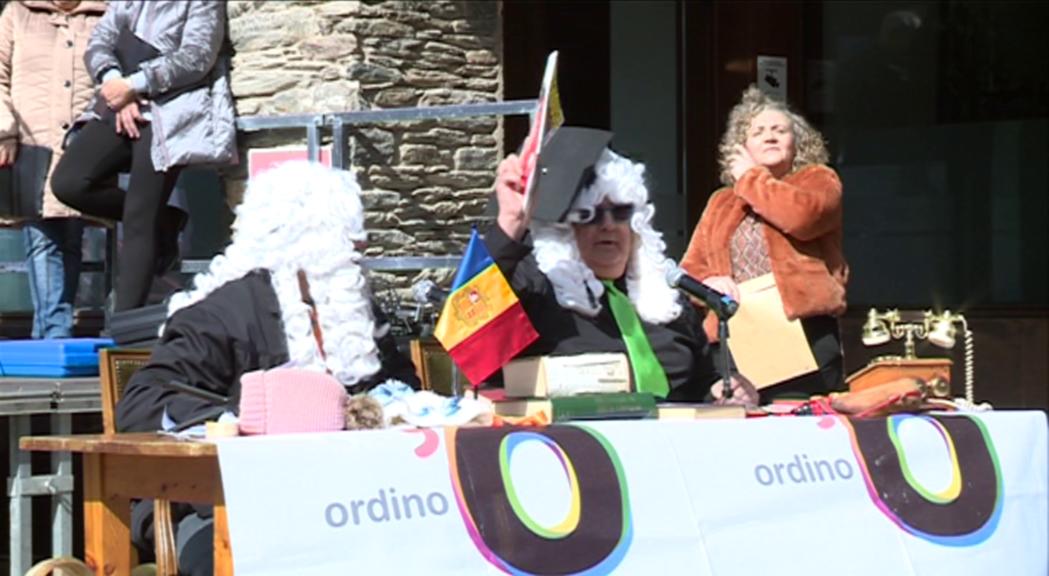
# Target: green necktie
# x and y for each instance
(648, 372)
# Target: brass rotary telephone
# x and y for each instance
(933, 374)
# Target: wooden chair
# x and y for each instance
(433, 366)
(116, 366)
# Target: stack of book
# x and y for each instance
(601, 406)
(589, 387)
(583, 387)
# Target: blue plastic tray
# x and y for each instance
(51, 358)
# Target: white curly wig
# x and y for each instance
(304, 216)
(557, 253)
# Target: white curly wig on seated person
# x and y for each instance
(304, 216)
(557, 253)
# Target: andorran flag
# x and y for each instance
(483, 325)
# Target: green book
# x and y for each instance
(608, 406)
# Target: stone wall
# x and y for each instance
(424, 182)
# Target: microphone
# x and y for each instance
(427, 292)
(722, 305)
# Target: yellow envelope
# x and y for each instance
(768, 348)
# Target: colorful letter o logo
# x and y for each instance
(596, 532)
(965, 513)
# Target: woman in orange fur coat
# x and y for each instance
(779, 213)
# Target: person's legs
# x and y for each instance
(42, 262)
(144, 204)
(142, 529)
(195, 545)
(172, 222)
(83, 177)
(72, 247)
(53, 256)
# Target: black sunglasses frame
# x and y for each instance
(596, 214)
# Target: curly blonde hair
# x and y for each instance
(809, 146)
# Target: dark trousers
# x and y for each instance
(194, 536)
(85, 179)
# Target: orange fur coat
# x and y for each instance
(802, 224)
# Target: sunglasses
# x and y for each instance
(596, 214)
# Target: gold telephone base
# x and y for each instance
(885, 369)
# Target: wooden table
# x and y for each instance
(120, 467)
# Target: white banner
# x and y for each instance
(946, 494)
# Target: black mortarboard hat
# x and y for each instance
(566, 166)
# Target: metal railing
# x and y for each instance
(19, 266)
(339, 123)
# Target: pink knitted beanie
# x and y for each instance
(290, 400)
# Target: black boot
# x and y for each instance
(171, 225)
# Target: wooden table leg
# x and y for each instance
(107, 521)
(223, 552)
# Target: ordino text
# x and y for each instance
(386, 506)
(802, 470)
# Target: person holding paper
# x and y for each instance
(780, 214)
(590, 270)
(43, 86)
(163, 103)
(247, 313)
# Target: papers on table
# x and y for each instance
(192, 430)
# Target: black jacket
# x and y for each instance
(680, 345)
(235, 329)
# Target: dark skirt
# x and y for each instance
(825, 341)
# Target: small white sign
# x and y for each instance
(262, 159)
(772, 76)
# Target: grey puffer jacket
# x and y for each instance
(195, 126)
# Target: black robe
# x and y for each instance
(233, 330)
(680, 345)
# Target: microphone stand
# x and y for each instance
(726, 372)
(720, 304)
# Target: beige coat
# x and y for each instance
(44, 85)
